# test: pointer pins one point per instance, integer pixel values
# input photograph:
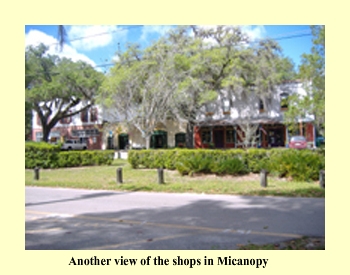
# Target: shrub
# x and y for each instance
(233, 166)
(44, 155)
(69, 159)
(41, 154)
(256, 159)
(156, 159)
(134, 158)
(197, 163)
(170, 159)
(303, 165)
(299, 164)
(85, 158)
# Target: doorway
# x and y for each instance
(219, 138)
(123, 141)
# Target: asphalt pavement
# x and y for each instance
(74, 219)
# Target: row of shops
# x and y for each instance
(221, 135)
(267, 135)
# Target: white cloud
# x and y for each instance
(115, 58)
(35, 37)
(148, 30)
(254, 32)
(95, 36)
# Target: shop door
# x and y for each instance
(219, 139)
(123, 141)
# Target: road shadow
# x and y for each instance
(199, 225)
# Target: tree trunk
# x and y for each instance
(46, 133)
(147, 140)
(189, 134)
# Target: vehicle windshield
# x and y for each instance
(298, 138)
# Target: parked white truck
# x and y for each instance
(72, 144)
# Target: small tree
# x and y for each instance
(138, 89)
(247, 132)
(312, 73)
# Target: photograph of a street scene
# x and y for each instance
(174, 137)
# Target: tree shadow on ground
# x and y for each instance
(199, 225)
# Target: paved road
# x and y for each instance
(68, 219)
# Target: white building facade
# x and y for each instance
(225, 124)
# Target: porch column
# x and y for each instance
(260, 136)
(235, 135)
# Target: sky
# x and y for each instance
(98, 44)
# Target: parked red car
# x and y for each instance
(298, 142)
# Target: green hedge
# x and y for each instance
(44, 155)
(85, 158)
(41, 154)
(303, 165)
(297, 164)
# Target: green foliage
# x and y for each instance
(41, 154)
(186, 161)
(183, 71)
(312, 72)
(301, 165)
(197, 163)
(133, 158)
(233, 166)
(46, 155)
(55, 86)
(170, 158)
(85, 158)
(69, 159)
(28, 120)
(256, 159)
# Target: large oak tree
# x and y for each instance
(57, 88)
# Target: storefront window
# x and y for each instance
(230, 136)
(206, 135)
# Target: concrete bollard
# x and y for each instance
(322, 179)
(119, 175)
(160, 175)
(263, 178)
(36, 173)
